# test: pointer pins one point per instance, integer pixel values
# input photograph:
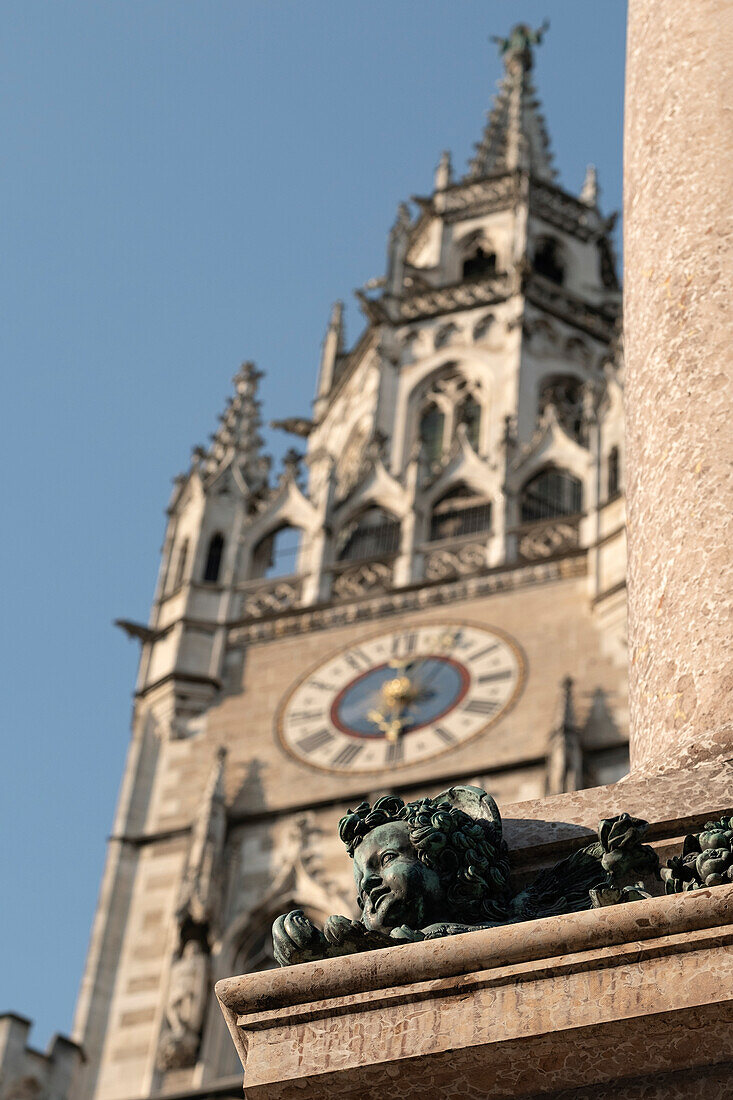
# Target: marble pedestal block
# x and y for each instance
(632, 1000)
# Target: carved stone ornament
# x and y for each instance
(706, 860)
(197, 918)
(440, 866)
(455, 561)
(185, 1008)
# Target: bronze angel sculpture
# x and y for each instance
(440, 866)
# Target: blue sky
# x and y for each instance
(186, 185)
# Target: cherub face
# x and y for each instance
(394, 886)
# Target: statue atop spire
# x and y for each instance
(517, 48)
(515, 137)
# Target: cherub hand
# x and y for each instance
(296, 939)
(403, 934)
(347, 937)
(338, 930)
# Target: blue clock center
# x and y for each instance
(434, 687)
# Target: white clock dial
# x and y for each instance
(401, 698)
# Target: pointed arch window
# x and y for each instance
(212, 567)
(614, 473)
(180, 574)
(276, 555)
(565, 393)
(375, 534)
(548, 260)
(460, 512)
(550, 494)
(469, 413)
(480, 263)
(432, 431)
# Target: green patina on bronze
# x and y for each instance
(706, 860)
(440, 866)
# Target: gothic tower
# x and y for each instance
(433, 592)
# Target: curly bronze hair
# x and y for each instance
(469, 855)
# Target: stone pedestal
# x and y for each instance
(678, 316)
(633, 1000)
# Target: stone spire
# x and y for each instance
(590, 189)
(565, 754)
(238, 436)
(444, 172)
(515, 135)
(333, 347)
(199, 894)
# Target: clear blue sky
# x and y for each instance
(184, 186)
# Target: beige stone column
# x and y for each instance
(678, 320)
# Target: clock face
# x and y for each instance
(401, 698)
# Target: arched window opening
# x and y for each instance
(548, 260)
(565, 393)
(432, 429)
(374, 534)
(550, 494)
(277, 554)
(180, 574)
(469, 413)
(258, 955)
(444, 335)
(460, 512)
(480, 264)
(614, 473)
(214, 555)
(482, 326)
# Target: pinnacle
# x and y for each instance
(238, 435)
(590, 189)
(515, 135)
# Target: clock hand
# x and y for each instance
(390, 727)
(399, 693)
(445, 643)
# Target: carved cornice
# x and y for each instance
(471, 200)
(422, 595)
(564, 211)
(595, 320)
(447, 299)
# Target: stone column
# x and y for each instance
(678, 319)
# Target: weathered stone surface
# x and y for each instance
(678, 246)
(567, 1001)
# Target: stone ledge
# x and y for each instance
(640, 988)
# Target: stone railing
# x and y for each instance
(457, 559)
(352, 579)
(547, 537)
(266, 597)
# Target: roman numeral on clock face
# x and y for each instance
(481, 706)
(445, 735)
(395, 751)
(357, 659)
(347, 754)
(492, 677)
(320, 685)
(315, 740)
(404, 644)
(304, 715)
(483, 652)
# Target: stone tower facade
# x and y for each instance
(432, 592)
